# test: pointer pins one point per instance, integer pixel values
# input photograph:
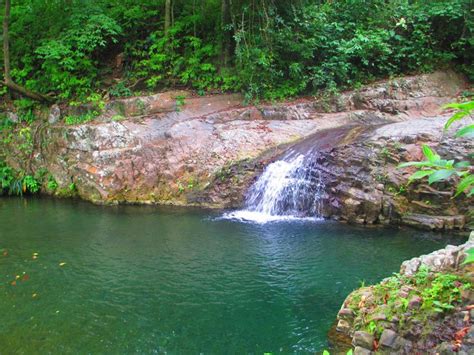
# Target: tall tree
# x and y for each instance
(226, 32)
(8, 81)
(167, 16)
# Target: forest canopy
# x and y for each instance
(267, 49)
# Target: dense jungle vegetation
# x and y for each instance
(267, 49)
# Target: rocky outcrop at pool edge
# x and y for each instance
(365, 185)
(399, 316)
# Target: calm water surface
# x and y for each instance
(148, 280)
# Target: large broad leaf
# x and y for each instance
(421, 174)
(462, 164)
(470, 257)
(465, 106)
(456, 117)
(418, 164)
(464, 109)
(440, 175)
(467, 131)
(464, 184)
(430, 154)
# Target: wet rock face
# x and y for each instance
(364, 185)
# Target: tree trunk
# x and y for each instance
(167, 16)
(226, 33)
(6, 62)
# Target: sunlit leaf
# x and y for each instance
(470, 257)
(467, 131)
(430, 154)
(440, 175)
(416, 163)
(464, 184)
(421, 174)
(462, 164)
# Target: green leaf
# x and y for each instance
(430, 154)
(416, 163)
(464, 109)
(465, 106)
(467, 131)
(420, 174)
(470, 257)
(456, 117)
(462, 164)
(440, 175)
(325, 352)
(464, 184)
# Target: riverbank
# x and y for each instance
(177, 149)
(427, 308)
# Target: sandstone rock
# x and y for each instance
(346, 313)
(439, 260)
(54, 114)
(358, 350)
(389, 339)
(415, 302)
(343, 326)
(363, 339)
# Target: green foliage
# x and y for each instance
(16, 183)
(120, 90)
(274, 49)
(30, 184)
(25, 110)
(435, 292)
(437, 169)
(442, 293)
(51, 185)
(470, 257)
(68, 63)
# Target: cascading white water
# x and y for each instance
(288, 188)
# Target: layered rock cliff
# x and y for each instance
(175, 148)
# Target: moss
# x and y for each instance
(439, 294)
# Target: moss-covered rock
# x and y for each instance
(419, 311)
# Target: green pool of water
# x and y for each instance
(148, 280)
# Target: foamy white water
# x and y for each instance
(288, 189)
(259, 217)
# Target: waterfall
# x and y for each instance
(289, 188)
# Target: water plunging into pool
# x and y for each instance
(289, 188)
